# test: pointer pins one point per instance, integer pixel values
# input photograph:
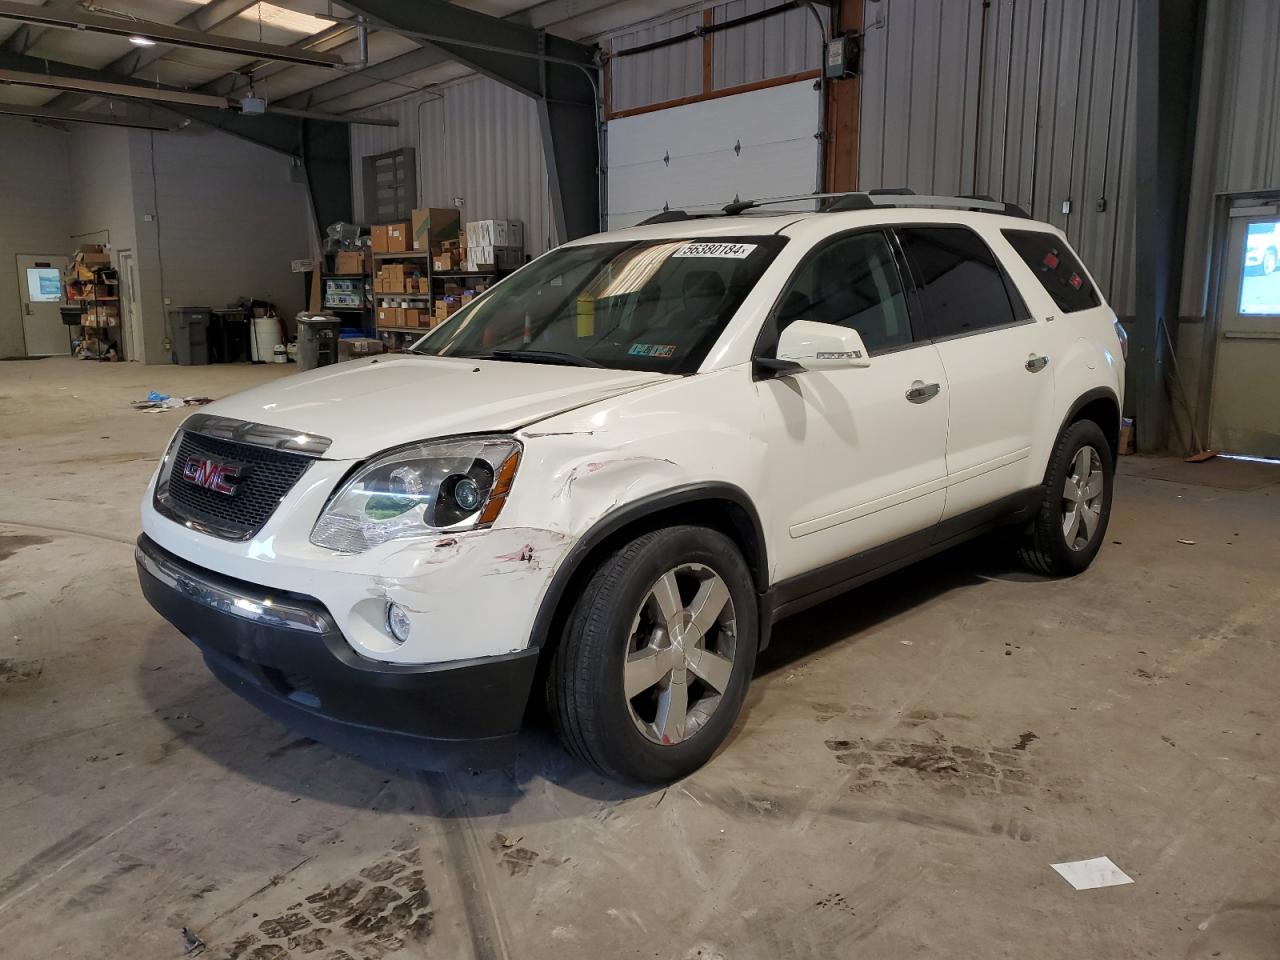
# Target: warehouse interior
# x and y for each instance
(199, 197)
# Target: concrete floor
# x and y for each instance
(912, 759)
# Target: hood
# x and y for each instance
(365, 406)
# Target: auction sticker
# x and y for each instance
(731, 251)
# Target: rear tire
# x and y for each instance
(1069, 527)
(628, 633)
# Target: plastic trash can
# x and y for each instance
(317, 341)
(189, 335)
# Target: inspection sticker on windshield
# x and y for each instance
(662, 350)
(732, 251)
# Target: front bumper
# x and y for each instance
(284, 653)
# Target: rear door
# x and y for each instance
(996, 360)
(853, 462)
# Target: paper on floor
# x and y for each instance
(1091, 874)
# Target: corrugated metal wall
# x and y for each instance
(667, 73)
(777, 46)
(475, 139)
(1026, 100)
(1238, 128)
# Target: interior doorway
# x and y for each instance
(40, 296)
(1244, 413)
(130, 312)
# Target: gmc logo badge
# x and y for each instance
(212, 475)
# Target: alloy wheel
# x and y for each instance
(680, 653)
(1082, 496)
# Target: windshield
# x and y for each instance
(652, 305)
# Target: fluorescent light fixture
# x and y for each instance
(142, 41)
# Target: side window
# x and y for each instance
(962, 288)
(1057, 269)
(852, 281)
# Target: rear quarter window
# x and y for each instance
(1057, 269)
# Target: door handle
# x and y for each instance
(919, 391)
(1035, 364)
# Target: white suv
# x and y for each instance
(610, 475)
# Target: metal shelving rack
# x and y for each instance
(422, 301)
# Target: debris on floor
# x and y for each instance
(156, 401)
(1092, 874)
(1189, 543)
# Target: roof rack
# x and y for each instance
(879, 199)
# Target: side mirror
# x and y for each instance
(821, 346)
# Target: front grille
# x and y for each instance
(267, 476)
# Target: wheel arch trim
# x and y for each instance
(636, 511)
(1091, 396)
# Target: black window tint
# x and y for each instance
(853, 282)
(1057, 269)
(961, 286)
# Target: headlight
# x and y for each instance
(420, 490)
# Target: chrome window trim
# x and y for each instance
(257, 434)
(260, 608)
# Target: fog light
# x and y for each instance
(397, 622)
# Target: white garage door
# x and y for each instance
(702, 155)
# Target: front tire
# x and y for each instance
(655, 660)
(1075, 507)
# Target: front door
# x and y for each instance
(996, 360)
(853, 463)
(1245, 407)
(40, 295)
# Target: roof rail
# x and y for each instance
(877, 199)
(666, 216)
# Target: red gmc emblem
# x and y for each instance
(212, 475)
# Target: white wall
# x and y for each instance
(228, 219)
(35, 213)
(210, 217)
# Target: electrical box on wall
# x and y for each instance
(843, 56)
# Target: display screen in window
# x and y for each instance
(1260, 285)
(1056, 267)
(44, 285)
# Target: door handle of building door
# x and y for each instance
(1035, 364)
(919, 391)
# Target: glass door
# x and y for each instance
(1245, 412)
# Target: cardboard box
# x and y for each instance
(443, 262)
(412, 317)
(390, 317)
(389, 237)
(515, 234)
(348, 261)
(434, 226)
(350, 348)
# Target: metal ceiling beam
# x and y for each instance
(79, 116)
(560, 75)
(205, 18)
(386, 72)
(27, 35)
(324, 147)
(104, 88)
(389, 71)
(162, 33)
(328, 39)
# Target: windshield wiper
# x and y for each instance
(536, 356)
